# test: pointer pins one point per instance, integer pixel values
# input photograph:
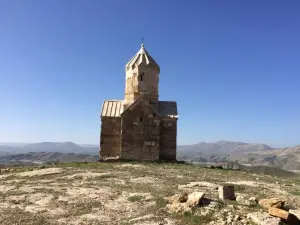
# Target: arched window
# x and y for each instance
(141, 76)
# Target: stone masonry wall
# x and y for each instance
(150, 83)
(110, 136)
(139, 80)
(168, 138)
(140, 133)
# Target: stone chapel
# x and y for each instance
(140, 127)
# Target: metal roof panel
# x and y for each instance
(168, 109)
(112, 108)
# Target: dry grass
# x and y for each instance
(121, 193)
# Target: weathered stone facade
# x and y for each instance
(140, 127)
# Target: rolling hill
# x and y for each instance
(216, 152)
(243, 153)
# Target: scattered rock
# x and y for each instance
(178, 208)
(213, 205)
(194, 198)
(242, 199)
(263, 218)
(184, 202)
(237, 217)
(177, 203)
(232, 207)
(177, 198)
(279, 213)
(226, 192)
(252, 201)
(271, 202)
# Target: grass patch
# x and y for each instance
(18, 216)
(84, 207)
(102, 177)
(161, 202)
(190, 218)
(296, 192)
(240, 188)
(135, 198)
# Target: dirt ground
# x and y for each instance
(127, 193)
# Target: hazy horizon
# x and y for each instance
(16, 144)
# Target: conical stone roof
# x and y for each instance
(142, 57)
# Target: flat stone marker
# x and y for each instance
(226, 192)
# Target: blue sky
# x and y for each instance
(232, 66)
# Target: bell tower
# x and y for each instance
(142, 77)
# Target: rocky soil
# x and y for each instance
(144, 194)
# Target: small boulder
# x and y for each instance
(226, 192)
(279, 213)
(194, 198)
(272, 202)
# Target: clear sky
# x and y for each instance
(232, 66)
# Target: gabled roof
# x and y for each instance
(168, 109)
(112, 108)
(142, 57)
(140, 99)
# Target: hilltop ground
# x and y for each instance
(131, 193)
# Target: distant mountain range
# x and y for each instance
(39, 153)
(243, 153)
(216, 152)
(62, 147)
(37, 158)
(222, 147)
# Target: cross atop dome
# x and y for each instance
(142, 44)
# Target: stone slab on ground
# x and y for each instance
(271, 202)
(195, 198)
(279, 213)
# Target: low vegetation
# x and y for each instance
(128, 193)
